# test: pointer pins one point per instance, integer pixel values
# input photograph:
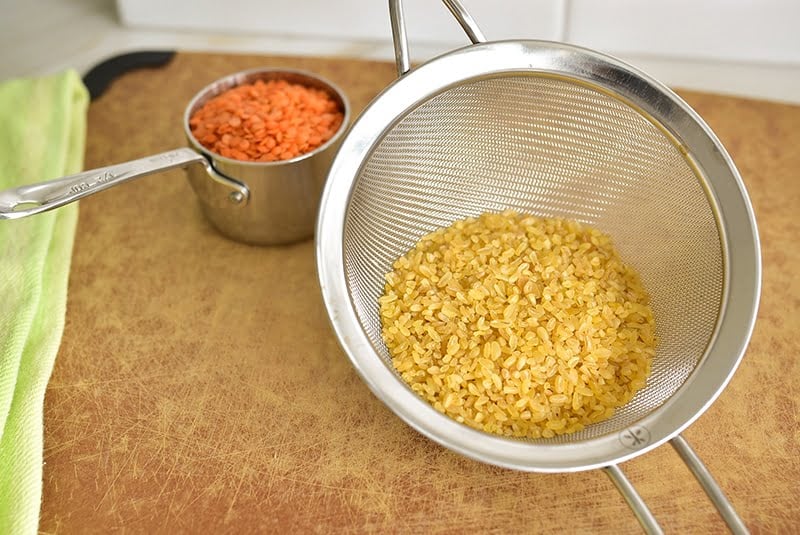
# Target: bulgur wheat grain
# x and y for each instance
(518, 325)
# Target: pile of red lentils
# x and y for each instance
(267, 121)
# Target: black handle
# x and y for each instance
(101, 75)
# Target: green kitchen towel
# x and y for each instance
(42, 136)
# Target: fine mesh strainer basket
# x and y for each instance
(556, 131)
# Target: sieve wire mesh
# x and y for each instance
(551, 147)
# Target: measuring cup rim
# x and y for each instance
(219, 86)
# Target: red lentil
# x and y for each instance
(266, 121)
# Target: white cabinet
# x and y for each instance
(729, 30)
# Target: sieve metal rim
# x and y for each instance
(662, 107)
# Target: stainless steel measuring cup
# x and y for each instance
(261, 203)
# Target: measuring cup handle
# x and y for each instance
(400, 37)
(36, 198)
(711, 488)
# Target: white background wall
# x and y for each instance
(730, 30)
(749, 48)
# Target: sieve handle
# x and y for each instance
(32, 199)
(710, 486)
(635, 502)
(400, 37)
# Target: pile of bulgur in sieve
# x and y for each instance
(518, 325)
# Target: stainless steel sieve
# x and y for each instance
(557, 131)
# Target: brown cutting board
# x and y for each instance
(199, 387)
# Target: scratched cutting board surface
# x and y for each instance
(199, 386)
